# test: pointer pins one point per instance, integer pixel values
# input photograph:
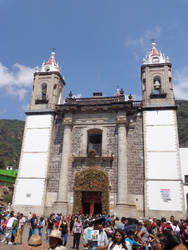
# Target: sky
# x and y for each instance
(99, 45)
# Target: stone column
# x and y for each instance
(62, 202)
(122, 163)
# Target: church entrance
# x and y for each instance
(91, 192)
(91, 203)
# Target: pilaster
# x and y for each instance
(61, 203)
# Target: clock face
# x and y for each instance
(155, 59)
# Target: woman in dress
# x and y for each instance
(118, 241)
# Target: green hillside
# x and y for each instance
(11, 132)
(182, 114)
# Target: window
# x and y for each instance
(94, 142)
(186, 179)
(44, 91)
(157, 86)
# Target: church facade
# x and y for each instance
(102, 154)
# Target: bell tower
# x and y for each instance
(163, 185)
(31, 182)
(156, 79)
(48, 86)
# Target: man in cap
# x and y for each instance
(98, 239)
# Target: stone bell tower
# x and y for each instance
(48, 86)
(156, 79)
(47, 91)
(163, 185)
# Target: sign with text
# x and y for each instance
(165, 194)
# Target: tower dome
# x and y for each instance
(50, 65)
(155, 57)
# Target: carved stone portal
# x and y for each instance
(90, 180)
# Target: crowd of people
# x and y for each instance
(97, 232)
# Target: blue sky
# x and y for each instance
(99, 45)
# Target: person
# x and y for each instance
(71, 223)
(55, 241)
(21, 223)
(8, 231)
(50, 225)
(144, 235)
(171, 239)
(97, 239)
(40, 226)
(29, 218)
(87, 232)
(33, 225)
(63, 227)
(118, 241)
(164, 225)
(185, 237)
(109, 231)
(130, 241)
(121, 225)
(77, 231)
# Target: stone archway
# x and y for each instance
(91, 180)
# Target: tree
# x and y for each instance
(2, 164)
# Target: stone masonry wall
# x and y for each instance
(55, 156)
(111, 148)
(76, 140)
(135, 165)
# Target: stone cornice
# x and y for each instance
(50, 73)
(162, 107)
(40, 112)
(128, 107)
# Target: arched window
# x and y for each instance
(44, 91)
(157, 85)
(95, 141)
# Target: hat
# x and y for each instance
(55, 234)
(99, 220)
(34, 215)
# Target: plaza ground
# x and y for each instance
(25, 246)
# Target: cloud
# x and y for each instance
(181, 83)
(16, 81)
(141, 44)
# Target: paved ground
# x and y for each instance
(25, 246)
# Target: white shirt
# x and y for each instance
(10, 221)
(116, 247)
(21, 222)
(59, 248)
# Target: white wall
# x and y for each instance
(162, 161)
(29, 192)
(34, 160)
(155, 198)
(184, 161)
(33, 165)
(160, 165)
(184, 171)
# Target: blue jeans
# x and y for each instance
(40, 231)
(64, 236)
(1, 231)
(48, 232)
(31, 232)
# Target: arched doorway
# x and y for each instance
(91, 192)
